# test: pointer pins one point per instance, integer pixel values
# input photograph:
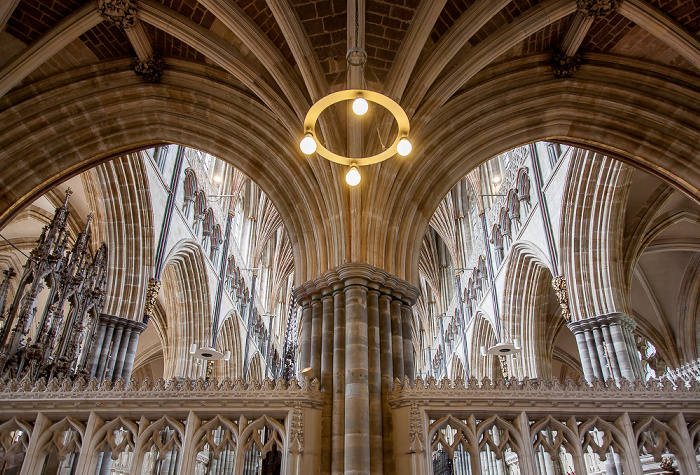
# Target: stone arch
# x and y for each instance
(121, 201)
(483, 335)
(186, 297)
(595, 109)
(290, 182)
(254, 368)
(458, 371)
(591, 234)
(525, 317)
(229, 339)
(584, 118)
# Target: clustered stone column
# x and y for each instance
(114, 347)
(356, 337)
(606, 346)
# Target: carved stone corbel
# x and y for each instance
(151, 296)
(559, 285)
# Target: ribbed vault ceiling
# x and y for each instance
(474, 75)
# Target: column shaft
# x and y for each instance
(375, 383)
(621, 351)
(397, 338)
(327, 382)
(357, 452)
(612, 355)
(316, 335)
(305, 357)
(131, 353)
(104, 352)
(96, 348)
(387, 366)
(116, 343)
(407, 333)
(121, 354)
(593, 352)
(600, 350)
(584, 355)
(338, 429)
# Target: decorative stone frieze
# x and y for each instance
(559, 286)
(564, 66)
(150, 70)
(598, 8)
(163, 396)
(120, 12)
(538, 394)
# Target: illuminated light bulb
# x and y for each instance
(360, 106)
(308, 144)
(217, 179)
(353, 177)
(404, 147)
(193, 348)
(227, 356)
(497, 179)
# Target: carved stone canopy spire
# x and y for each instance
(120, 12)
(598, 8)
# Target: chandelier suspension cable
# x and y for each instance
(310, 144)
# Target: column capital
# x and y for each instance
(598, 320)
(359, 273)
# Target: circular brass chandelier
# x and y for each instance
(360, 97)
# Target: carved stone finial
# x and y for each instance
(598, 8)
(559, 286)
(120, 12)
(150, 70)
(564, 66)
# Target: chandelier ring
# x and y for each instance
(348, 95)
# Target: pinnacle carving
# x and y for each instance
(120, 12)
(598, 8)
(150, 70)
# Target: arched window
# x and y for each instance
(523, 183)
(497, 241)
(190, 188)
(207, 228)
(215, 244)
(504, 221)
(513, 205)
(200, 203)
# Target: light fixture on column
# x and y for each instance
(308, 373)
(361, 98)
(208, 353)
(502, 349)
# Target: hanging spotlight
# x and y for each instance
(308, 144)
(404, 147)
(353, 176)
(360, 106)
